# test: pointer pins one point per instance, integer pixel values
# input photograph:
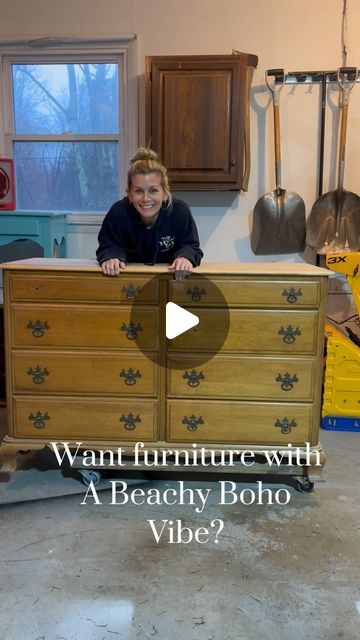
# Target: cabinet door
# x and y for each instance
(196, 118)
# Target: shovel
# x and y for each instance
(334, 221)
(279, 222)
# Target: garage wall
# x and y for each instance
(294, 34)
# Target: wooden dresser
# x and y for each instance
(87, 359)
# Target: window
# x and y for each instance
(69, 126)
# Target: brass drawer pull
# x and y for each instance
(287, 381)
(38, 328)
(192, 422)
(196, 293)
(39, 419)
(285, 425)
(130, 421)
(289, 334)
(130, 376)
(38, 374)
(193, 378)
(292, 295)
(131, 330)
(131, 291)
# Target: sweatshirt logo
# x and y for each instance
(166, 243)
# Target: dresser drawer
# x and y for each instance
(82, 326)
(119, 420)
(238, 422)
(84, 288)
(42, 372)
(243, 378)
(246, 292)
(279, 332)
(17, 225)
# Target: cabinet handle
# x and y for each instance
(196, 293)
(193, 378)
(38, 374)
(131, 330)
(292, 295)
(131, 291)
(130, 421)
(285, 425)
(130, 376)
(192, 422)
(289, 334)
(39, 419)
(287, 381)
(38, 328)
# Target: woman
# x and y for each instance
(148, 225)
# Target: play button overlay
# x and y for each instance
(178, 320)
(179, 325)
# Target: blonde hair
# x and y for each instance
(147, 161)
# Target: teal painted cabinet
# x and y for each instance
(46, 229)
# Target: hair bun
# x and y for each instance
(144, 153)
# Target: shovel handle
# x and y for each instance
(275, 89)
(277, 145)
(277, 85)
(343, 129)
(346, 77)
(346, 84)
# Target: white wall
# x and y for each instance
(294, 34)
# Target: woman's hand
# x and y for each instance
(112, 267)
(182, 268)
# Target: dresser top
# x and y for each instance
(207, 268)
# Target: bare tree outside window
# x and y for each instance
(66, 143)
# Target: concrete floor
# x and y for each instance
(95, 572)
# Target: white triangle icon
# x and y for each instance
(178, 320)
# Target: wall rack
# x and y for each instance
(310, 77)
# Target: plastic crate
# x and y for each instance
(338, 423)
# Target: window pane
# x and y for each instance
(71, 176)
(71, 98)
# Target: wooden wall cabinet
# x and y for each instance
(197, 117)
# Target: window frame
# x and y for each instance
(122, 52)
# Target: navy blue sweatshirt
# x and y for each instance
(124, 236)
